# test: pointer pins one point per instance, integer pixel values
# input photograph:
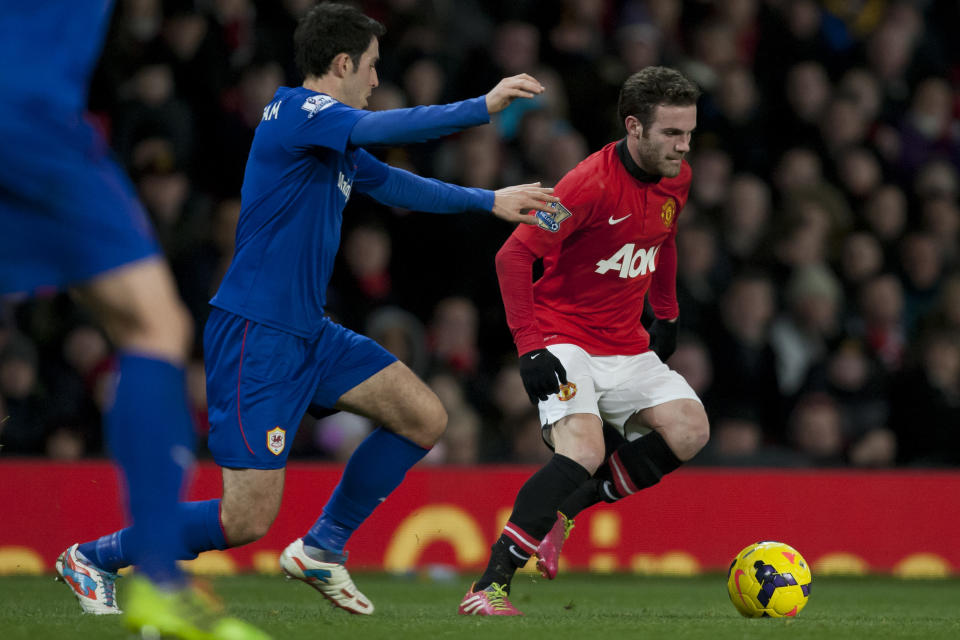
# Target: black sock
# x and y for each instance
(591, 492)
(645, 461)
(534, 512)
(640, 464)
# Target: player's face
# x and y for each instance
(662, 146)
(363, 79)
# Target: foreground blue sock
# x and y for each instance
(200, 531)
(375, 469)
(150, 434)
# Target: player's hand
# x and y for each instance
(663, 338)
(513, 204)
(540, 371)
(509, 89)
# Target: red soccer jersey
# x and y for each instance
(600, 263)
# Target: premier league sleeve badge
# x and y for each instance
(550, 220)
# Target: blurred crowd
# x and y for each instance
(819, 257)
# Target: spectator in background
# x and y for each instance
(922, 270)
(926, 403)
(803, 335)
(885, 213)
(816, 430)
(27, 407)
(807, 94)
(365, 283)
(402, 334)
(798, 168)
(861, 258)
(941, 219)
(698, 274)
(452, 337)
(714, 169)
(746, 220)
(881, 320)
(740, 343)
(857, 382)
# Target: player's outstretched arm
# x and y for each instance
(509, 89)
(419, 124)
(513, 204)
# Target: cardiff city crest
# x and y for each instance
(276, 440)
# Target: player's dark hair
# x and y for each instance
(329, 29)
(651, 87)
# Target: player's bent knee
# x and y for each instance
(433, 421)
(247, 528)
(693, 437)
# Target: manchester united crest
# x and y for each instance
(668, 212)
(567, 392)
(276, 440)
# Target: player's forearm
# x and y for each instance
(514, 268)
(663, 287)
(418, 124)
(410, 191)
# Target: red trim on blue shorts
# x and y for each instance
(243, 346)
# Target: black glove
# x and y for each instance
(663, 338)
(540, 371)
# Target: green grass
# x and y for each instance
(593, 607)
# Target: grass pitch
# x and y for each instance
(594, 607)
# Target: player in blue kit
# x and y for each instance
(271, 354)
(69, 219)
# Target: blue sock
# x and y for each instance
(150, 434)
(200, 531)
(375, 469)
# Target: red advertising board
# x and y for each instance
(695, 520)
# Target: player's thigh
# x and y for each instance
(682, 422)
(138, 305)
(629, 385)
(397, 399)
(579, 436)
(251, 499)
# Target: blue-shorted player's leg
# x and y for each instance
(86, 229)
(70, 218)
(374, 470)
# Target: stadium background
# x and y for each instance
(818, 254)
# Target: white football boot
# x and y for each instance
(95, 588)
(331, 579)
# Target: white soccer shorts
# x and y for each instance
(612, 387)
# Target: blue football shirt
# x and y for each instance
(49, 51)
(298, 179)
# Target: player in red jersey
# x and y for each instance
(585, 358)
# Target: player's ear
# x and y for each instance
(342, 65)
(633, 126)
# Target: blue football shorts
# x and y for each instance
(261, 381)
(67, 211)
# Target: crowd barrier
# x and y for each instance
(695, 520)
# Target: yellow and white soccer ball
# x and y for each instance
(769, 580)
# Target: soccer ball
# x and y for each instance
(769, 580)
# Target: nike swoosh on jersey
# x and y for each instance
(618, 220)
(535, 356)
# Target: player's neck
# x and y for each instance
(627, 151)
(328, 84)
